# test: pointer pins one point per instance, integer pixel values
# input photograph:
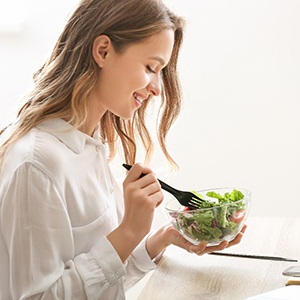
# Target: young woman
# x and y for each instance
(66, 229)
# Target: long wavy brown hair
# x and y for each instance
(63, 85)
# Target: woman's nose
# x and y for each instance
(154, 87)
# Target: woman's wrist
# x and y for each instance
(124, 241)
(158, 241)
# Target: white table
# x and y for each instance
(181, 275)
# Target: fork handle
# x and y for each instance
(167, 187)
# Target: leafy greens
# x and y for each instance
(219, 218)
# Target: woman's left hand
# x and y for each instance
(176, 239)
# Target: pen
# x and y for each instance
(293, 281)
(277, 258)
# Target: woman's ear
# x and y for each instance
(101, 47)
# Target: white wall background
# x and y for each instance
(240, 70)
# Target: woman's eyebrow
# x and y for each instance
(159, 59)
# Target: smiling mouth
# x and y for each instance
(138, 98)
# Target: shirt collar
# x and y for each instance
(66, 133)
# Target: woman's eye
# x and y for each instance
(150, 69)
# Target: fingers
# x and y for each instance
(202, 248)
(175, 238)
(142, 194)
(244, 229)
(143, 181)
(159, 202)
(197, 249)
(239, 237)
(136, 172)
(142, 177)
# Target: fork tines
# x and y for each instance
(196, 202)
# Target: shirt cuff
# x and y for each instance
(108, 260)
(142, 259)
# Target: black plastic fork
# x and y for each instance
(184, 198)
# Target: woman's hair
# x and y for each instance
(64, 83)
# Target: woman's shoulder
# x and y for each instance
(48, 147)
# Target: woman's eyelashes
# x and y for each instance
(150, 69)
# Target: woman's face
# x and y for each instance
(129, 78)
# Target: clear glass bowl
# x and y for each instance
(214, 224)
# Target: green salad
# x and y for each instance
(220, 216)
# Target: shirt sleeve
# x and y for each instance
(139, 264)
(38, 237)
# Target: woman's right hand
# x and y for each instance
(142, 194)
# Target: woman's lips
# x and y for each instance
(139, 98)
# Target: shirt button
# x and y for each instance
(117, 275)
(98, 148)
(111, 190)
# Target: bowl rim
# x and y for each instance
(246, 192)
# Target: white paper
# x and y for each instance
(291, 292)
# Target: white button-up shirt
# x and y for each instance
(58, 201)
